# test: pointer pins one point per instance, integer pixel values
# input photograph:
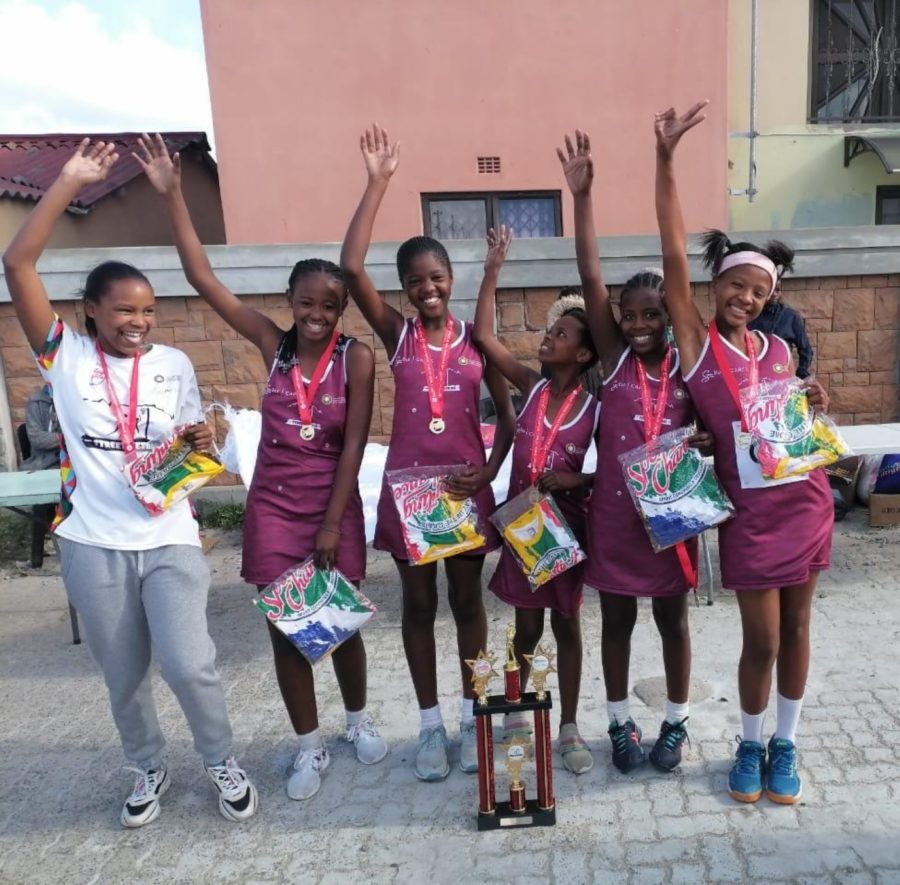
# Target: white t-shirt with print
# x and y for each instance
(98, 505)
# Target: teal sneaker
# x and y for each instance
(431, 756)
(782, 781)
(745, 780)
(468, 747)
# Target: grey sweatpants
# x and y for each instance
(130, 601)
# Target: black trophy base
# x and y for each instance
(506, 819)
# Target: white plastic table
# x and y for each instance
(872, 439)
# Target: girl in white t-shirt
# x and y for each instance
(137, 581)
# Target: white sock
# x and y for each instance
(355, 718)
(312, 740)
(787, 717)
(431, 717)
(465, 710)
(752, 726)
(676, 713)
(618, 711)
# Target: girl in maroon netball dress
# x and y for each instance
(304, 499)
(643, 396)
(773, 571)
(553, 433)
(437, 378)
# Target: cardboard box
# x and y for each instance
(884, 510)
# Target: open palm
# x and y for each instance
(577, 164)
(381, 157)
(669, 127)
(90, 163)
(163, 171)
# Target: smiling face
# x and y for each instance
(643, 320)
(427, 283)
(123, 316)
(317, 301)
(562, 344)
(741, 293)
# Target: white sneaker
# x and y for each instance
(305, 779)
(237, 795)
(370, 745)
(142, 806)
(468, 747)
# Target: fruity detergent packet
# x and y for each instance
(434, 524)
(169, 473)
(538, 536)
(316, 610)
(788, 437)
(674, 489)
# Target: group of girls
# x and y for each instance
(138, 581)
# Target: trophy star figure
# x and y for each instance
(542, 665)
(483, 672)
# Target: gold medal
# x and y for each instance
(307, 432)
(437, 425)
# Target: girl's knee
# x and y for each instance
(671, 621)
(419, 613)
(760, 651)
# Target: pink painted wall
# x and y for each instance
(294, 83)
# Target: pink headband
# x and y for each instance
(756, 259)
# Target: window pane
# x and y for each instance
(458, 219)
(529, 216)
(890, 210)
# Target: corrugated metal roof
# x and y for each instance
(29, 164)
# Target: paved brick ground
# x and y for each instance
(61, 782)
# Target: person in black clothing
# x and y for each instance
(786, 323)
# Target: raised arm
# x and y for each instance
(164, 173)
(88, 165)
(483, 329)
(687, 324)
(578, 167)
(381, 159)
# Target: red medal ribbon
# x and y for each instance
(715, 343)
(541, 443)
(127, 426)
(435, 389)
(306, 394)
(653, 415)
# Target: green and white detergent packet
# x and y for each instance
(674, 489)
(535, 531)
(315, 609)
(434, 525)
(787, 437)
(169, 473)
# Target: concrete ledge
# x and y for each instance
(533, 263)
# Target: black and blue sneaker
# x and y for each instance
(666, 752)
(627, 752)
(745, 780)
(782, 780)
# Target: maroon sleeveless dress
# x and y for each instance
(414, 445)
(621, 559)
(781, 533)
(564, 593)
(294, 478)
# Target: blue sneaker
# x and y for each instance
(783, 782)
(626, 743)
(431, 755)
(745, 780)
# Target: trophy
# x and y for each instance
(519, 811)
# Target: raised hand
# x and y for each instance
(90, 163)
(669, 127)
(163, 171)
(498, 246)
(577, 164)
(381, 157)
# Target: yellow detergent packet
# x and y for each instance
(538, 536)
(434, 525)
(169, 473)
